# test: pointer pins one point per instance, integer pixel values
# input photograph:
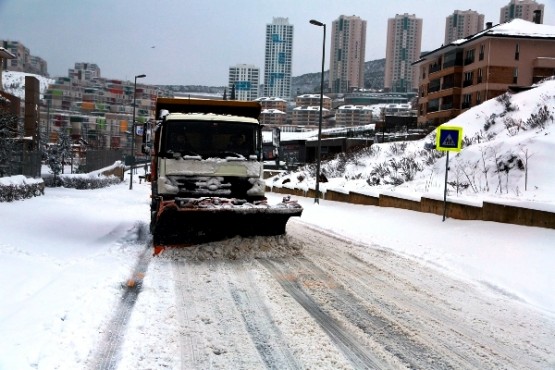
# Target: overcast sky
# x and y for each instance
(186, 42)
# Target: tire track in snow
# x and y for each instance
(106, 357)
(213, 334)
(454, 321)
(373, 324)
(191, 339)
(352, 348)
(265, 335)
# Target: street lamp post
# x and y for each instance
(133, 132)
(318, 159)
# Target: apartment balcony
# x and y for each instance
(447, 106)
(453, 91)
(433, 89)
(441, 115)
(432, 108)
(434, 68)
(467, 83)
(468, 61)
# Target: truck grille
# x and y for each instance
(208, 186)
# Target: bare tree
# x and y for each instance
(526, 157)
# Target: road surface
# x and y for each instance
(312, 300)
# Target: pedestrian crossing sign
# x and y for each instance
(449, 138)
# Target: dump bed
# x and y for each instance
(225, 107)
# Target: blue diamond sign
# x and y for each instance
(449, 138)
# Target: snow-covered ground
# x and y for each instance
(14, 83)
(66, 255)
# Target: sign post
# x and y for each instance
(449, 139)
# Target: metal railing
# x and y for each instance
(26, 163)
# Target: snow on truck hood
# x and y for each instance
(213, 166)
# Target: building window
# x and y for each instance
(448, 82)
(469, 57)
(517, 52)
(467, 100)
(468, 77)
(478, 97)
(480, 75)
(481, 57)
(433, 105)
(515, 75)
(434, 86)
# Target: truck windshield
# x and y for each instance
(209, 139)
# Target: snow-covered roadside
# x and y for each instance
(64, 257)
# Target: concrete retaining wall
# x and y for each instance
(516, 215)
(488, 212)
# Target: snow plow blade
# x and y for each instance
(188, 221)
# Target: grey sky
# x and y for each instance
(195, 42)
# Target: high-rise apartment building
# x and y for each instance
(278, 58)
(404, 38)
(348, 45)
(528, 10)
(244, 80)
(462, 23)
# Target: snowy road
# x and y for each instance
(313, 300)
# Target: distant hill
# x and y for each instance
(374, 72)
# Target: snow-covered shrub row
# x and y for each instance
(11, 192)
(80, 181)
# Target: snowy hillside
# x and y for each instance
(14, 83)
(506, 148)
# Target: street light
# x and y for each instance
(318, 159)
(133, 132)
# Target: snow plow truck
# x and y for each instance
(207, 173)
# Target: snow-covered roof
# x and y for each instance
(269, 98)
(520, 27)
(312, 107)
(6, 54)
(272, 111)
(313, 96)
(355, 107)
(398, 106)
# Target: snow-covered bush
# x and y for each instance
(20, 190)
(80, 181)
